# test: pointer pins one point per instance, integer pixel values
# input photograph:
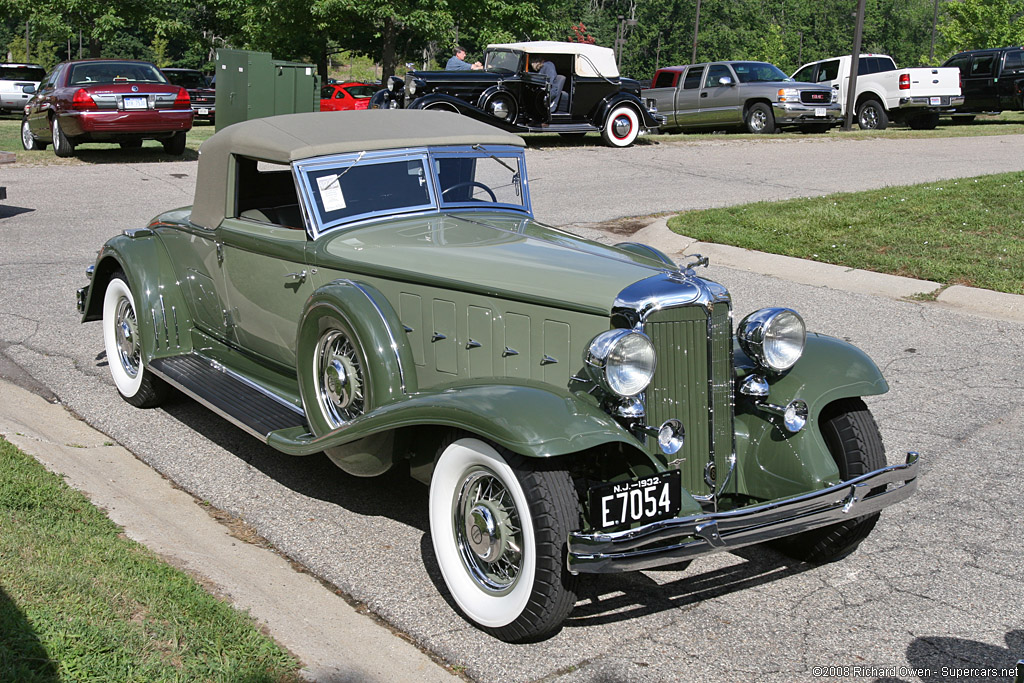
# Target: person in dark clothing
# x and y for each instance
(557, 80)
(457, 62)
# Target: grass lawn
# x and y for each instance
(968, 231)
(79, 601)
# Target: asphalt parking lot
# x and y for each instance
(937, 590)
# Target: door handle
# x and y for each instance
(704, 94)
(298, 277)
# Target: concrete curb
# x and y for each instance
(334, 641)
(983, 302)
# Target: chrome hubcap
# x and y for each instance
(757, 120)
(482, 532)
(621, 126)
(869, 118)
(26, 135)
(488, 532)
(339, 379)
(126, 337)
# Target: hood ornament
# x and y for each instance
(685, 271)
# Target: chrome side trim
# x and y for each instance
(647, 546)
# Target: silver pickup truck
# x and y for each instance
(755, 96)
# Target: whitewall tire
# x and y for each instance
(621, 127)
(499, 537)
(122, 341)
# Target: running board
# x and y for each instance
(234, 398)
(564, 128)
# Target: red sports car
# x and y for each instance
(342, 96)
(105, 100)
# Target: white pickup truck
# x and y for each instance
(914, 96)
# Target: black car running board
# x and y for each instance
(561, 128)
(231, 396)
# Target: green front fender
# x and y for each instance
(163, 315)
(528, 418)
(772, 462)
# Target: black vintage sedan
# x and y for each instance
(587, 94)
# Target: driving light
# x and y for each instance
(671, 436)
(620, 361)
(774, 338)
(795, 416)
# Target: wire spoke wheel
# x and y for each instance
(123, 344)
(339, 378)
(488, 531)
(498, 525)
(126, 334)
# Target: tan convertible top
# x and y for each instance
(590, 60)
(291, 137)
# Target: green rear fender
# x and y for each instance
(773, 463)
(162, 310)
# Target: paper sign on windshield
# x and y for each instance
(330, 193)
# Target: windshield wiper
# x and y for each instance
(515, 171)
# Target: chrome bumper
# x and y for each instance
(651, 545)
(947, 101)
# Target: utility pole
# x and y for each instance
(935, 22)
(696, 27)
(621, 29)
(28, 50)
(851, 92)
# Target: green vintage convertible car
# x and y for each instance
(373, 285)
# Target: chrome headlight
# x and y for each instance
(789, 95)
(774, 338)
(412, 87)
(395, 84)
(620, 361)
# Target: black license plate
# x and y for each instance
(636, 501)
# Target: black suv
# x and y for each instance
(992, 80)
(587, 95)
(202, 96)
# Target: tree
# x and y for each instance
(975, 24)
(385, 30)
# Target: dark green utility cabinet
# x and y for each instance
(251, 85)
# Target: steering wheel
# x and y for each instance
(471, 183)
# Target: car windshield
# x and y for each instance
(21, 73)
(758, 72)
(187, 79)
(505, 61)
(360, 91)
(480, 178)
(354, 187)
(114, 72)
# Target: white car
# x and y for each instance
(13, 79)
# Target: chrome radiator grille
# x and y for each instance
(693, 383)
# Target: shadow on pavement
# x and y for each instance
(8, 211)
(22, 656)
(394, 495)
(636, 594)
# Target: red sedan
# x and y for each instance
(343, 96)
(104, 100)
